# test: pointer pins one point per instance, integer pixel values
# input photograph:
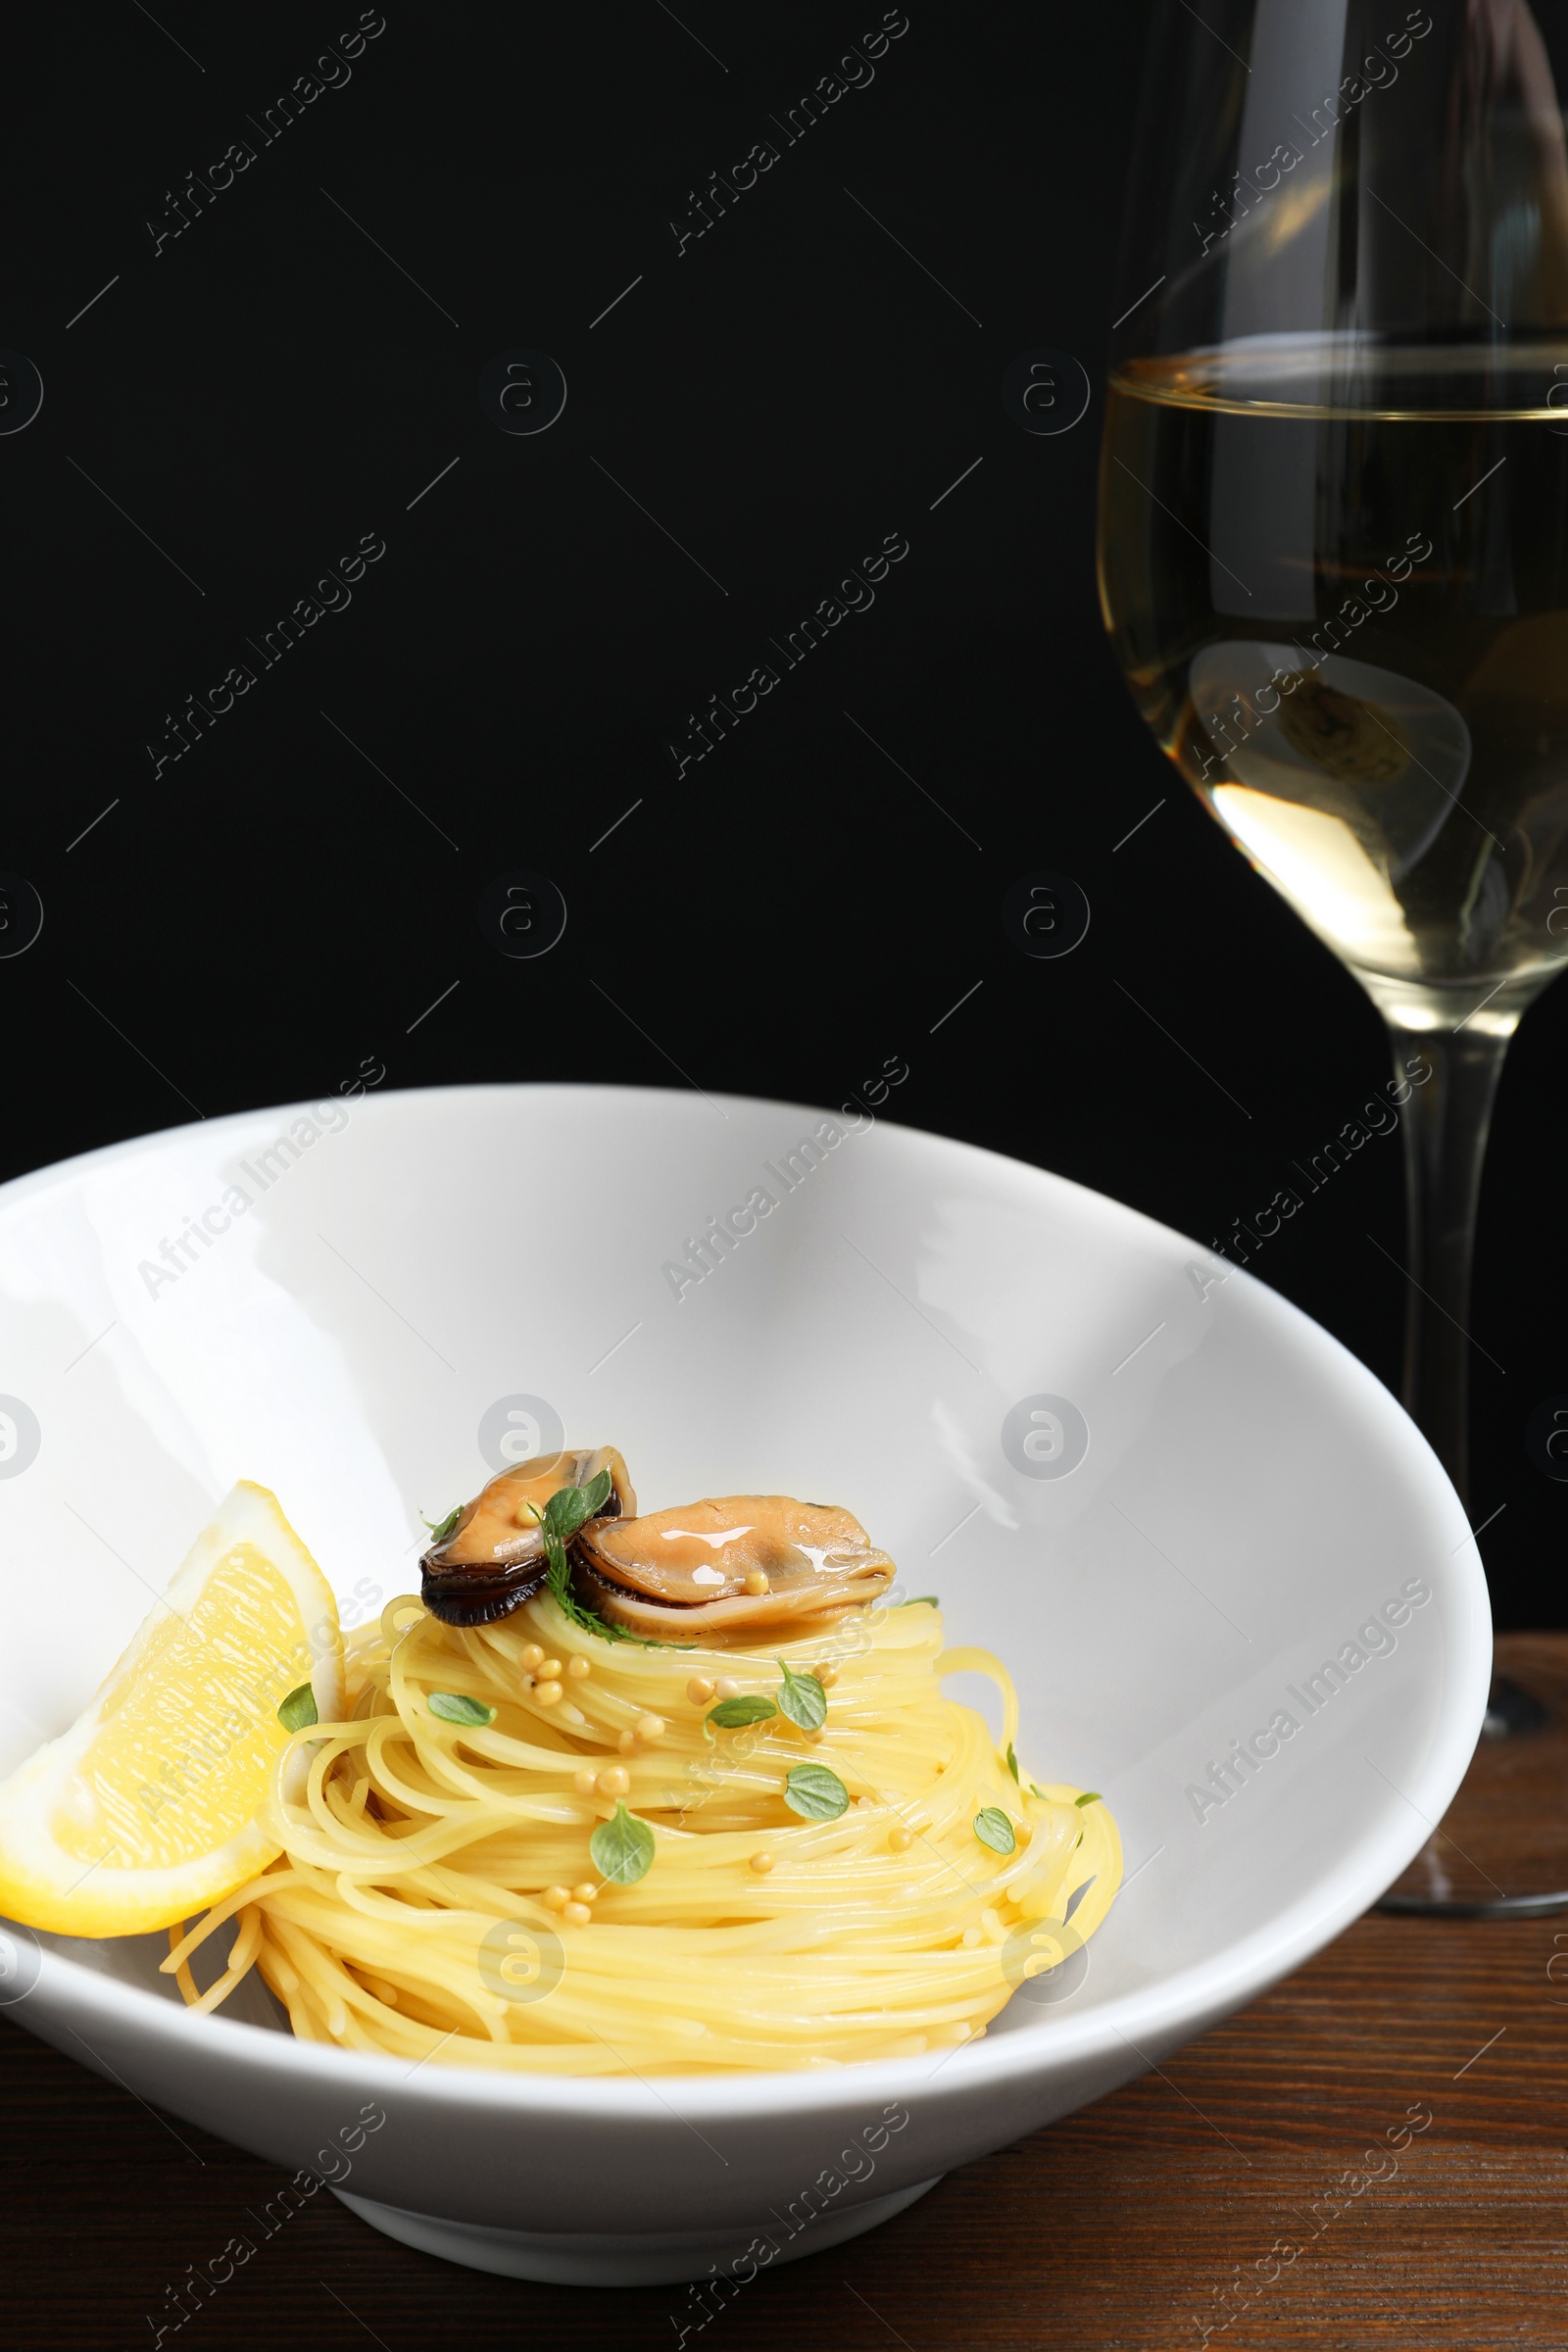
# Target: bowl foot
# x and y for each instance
(645, 2258)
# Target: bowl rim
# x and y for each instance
(1143, 2023)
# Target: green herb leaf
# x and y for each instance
(298, 1710)
(622, 1848)
(1012, 1761)
(1035, 1791)
(803, 1700)
(925, 1600)
(565, 1513)
(816, 1793)
(731, 1713)
(570, 1507)
(558, 1521)
(454, 1706)
(1090, 1796)
(994, 1829)
(440, 1529)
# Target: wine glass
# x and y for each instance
(1334, 536)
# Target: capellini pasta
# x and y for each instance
(534, 1846)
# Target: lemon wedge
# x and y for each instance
(149, 1807)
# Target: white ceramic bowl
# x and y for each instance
(1228, 1501)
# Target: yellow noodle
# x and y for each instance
(242, 1955)
(417, 1840)
(177, 1964)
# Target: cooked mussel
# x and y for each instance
(727, 1568)
(494, 1556)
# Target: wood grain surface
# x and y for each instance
(1230, 2190)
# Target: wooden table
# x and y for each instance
(1121, 2226)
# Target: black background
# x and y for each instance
(250, 924)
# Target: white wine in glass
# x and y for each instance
(1334, 529)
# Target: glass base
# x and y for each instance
(1416, 1007)
(1501, 1849)
(1513, 1711)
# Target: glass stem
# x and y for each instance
(1446, 1125)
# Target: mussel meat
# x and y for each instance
(493, 1558)
(727, 1567)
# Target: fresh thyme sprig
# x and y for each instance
(622, 1848)
(816, 1793)
(802, 1698)
(456, 1706)
(993, 1828)
(731, 1714)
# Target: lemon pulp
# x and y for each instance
(151, 1804)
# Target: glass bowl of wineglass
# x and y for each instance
(1334, 545)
